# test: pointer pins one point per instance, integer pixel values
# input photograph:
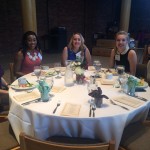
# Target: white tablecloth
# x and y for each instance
(38, 120)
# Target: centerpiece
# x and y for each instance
(98, 96)
(79, 71)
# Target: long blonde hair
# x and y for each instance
(82, 46)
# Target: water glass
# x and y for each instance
(120, 70)
(37, 72)
(57, 67)
(97, 65)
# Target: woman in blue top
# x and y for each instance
(122, 55)
(76, 50)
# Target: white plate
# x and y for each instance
(143, 86)
(50, 73)
(16, 87)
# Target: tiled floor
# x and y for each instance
(47, 59)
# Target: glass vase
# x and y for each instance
(79, 79)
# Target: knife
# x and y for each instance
(141, 98)
(29, 102)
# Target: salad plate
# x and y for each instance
(25, 87)
(145, 85)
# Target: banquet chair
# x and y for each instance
(12, 74)
(136, 136)
(141, 71)
(30, 143)
(7, 137)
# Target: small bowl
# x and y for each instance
(109, 76)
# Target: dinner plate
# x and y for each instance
(50, 73)
(142, 86)
(16, 87)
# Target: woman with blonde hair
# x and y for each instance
(122, 54)
(76, 50)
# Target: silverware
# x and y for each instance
(33, 101)
(140, 98)
(58, 104)
(93, 108)
(91, 103)
(112, 102)
(90, 110)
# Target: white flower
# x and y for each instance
(79, 71)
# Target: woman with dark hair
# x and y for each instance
(29, 55)
(76, 50)
(122, 54)
(4, 98)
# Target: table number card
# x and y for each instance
(71, 110)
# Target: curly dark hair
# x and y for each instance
(24, 42)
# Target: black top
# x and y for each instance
(124, 61)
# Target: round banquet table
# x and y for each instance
(37, 119)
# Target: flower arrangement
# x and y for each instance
(79, 71)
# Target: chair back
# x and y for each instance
(145, 55)
(30, 143)
(11, 69)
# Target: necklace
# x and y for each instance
(33, 58)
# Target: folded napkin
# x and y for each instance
(58, 89)
(91, 68)
(43, 87)
(107, 81)
(27, 96)
(130, 101)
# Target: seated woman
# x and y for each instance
(29, 55)
(146, 55)
(4, 98)
(76, 50)
(122, 55)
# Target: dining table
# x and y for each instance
(29, 114)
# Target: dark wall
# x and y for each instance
(85, 16)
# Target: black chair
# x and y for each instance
(136, 136)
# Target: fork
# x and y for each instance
(58, 104)
(93, 108)
(112, 102)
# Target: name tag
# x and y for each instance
(117, 57)
(40, 56)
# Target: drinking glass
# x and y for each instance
(120, 70)
(97, 65)
(50, 83)
(123, 83)
(57, 67)
(37, 72)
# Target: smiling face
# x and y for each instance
(76, 41)
(121, 42)
(31, 42)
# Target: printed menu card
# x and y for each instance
(71, 110)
